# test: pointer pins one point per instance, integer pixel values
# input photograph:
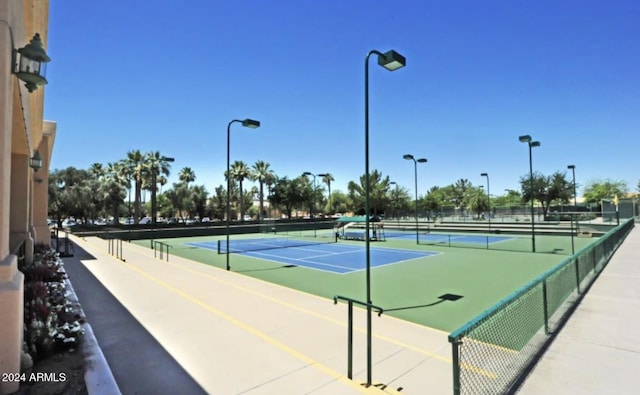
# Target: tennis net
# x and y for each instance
(270, 243)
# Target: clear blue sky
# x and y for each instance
(169, 76)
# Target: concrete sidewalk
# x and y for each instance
(209, 330)
(598, 349)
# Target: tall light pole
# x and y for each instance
(488, 196)
(527, 139)
(248, 123)
(575, 195)
(391, 61)
(415, 165)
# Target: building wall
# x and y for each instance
(23, 200)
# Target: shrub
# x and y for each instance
(51, 322)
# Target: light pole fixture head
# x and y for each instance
(484, 175)
(535, 144)
(168, 159)
(323, 175)
(35, 162)
(525, 139)
(422, 160)
(31, 65)
(307, 173)
(251, 123)
(571, 167)
(391, 60)
(407, 157)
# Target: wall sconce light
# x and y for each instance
(35, 162)
(30, 63)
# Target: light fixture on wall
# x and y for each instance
(35, 162)
(30, 63)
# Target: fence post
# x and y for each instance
(544, 307)
(350, 343)
(455, 356)
(576, 262)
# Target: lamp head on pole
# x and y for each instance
(322, 175)
(484, 175)
(391, 60)
(251, 123)
(571, 167)
(525, 139)
(534, 144)
(408, 157)
(422, 160)
(307, 173)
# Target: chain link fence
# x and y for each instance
(491, 352)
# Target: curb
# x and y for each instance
(97, 376)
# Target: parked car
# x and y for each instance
(206, 219)
(145, 221)
(172, 220)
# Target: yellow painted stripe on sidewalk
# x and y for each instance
(248, 328)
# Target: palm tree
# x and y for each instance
(270, 180)
(240, 172)
(262, 174)
(156, 165)
(327, 178)
(187, 175)
(135, 162)
(114, 189)
(96, 170)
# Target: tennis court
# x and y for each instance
(331, 257)
(407, 278)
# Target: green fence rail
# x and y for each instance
(492, 352)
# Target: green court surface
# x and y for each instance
(424, 290)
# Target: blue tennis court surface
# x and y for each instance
(333, 257)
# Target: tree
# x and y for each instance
(261, 173)
(311, 193)
(287, 194)
(399, 201)
(72, 194)
(240, 172)
(546, 189)
(197, 200)
(114, 189)
(434, 200)
(135, 163)
(597, 190)
(477, 201)
(156, 165)
(186, 176)
(327, 178)
(218, 203)
(378, 194)
(177, 195)
(459, 191)
(270, 180)
(340, 202)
